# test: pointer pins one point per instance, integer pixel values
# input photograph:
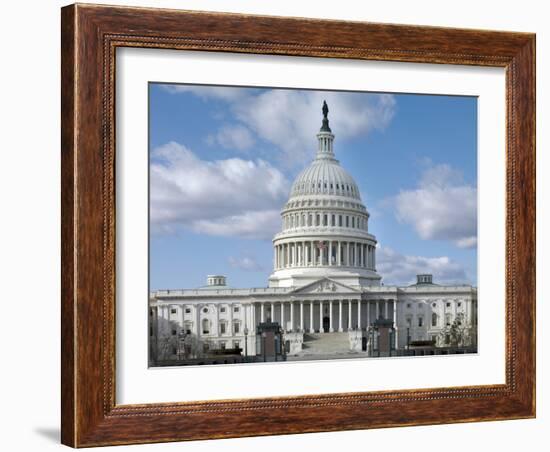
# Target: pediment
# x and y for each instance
(325, 285)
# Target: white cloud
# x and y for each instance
(235, 137)
(246, 263)
(397, 268)
(442, 207)
(290, 119)
(232, 197)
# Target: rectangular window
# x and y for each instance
(409, 321)
(340, 220)
(236, 344)
(333, 223)
(188, 310)
(352, 222)
(347, 221)
(420, 321)
(173, 311)
(222, 328)
(222, 309)
(448, 305)
(325, 219)
(235, 328)
(222, 345)
(236, 309)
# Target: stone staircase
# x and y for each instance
(325, 344)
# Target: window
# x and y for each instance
(318, 220)
(174, 332)
(188, 310)
(347, 221)
(236, 309)
(333, 222)
(222, 309)
(448, 304)
(459, 304)
(173, 311)
(236, 327)
(325, 219)
(420, 305)
(448, 320)
(340, 220)
(409, 321)
(409, 305)
(420, 321)
(222, 328)
(434, 305)
(447, 339)
(205, 310)
(222, 345)
(236, 344)
(352, 222)
(205, 326)
(434, 319)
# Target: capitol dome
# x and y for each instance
(324, 225)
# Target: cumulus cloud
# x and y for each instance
(289, 119)
(246, 263)
(396, 268)
(441, 207)
(235, 137)
(232, 197)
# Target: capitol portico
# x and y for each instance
(324, 294)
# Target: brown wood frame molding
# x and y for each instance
(90, 35)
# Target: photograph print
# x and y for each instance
(293, 224)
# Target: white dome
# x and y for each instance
(325, 177)
(324, 230)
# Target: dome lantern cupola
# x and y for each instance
(326, 138)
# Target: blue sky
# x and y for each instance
(222, 160)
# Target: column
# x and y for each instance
(321, 329)
(349, 315)
(291, 316)
(340, 329)
(355, 255)
(373, 257)
(198, 319)
(349, 255)
(272, 312)
(312, 252)
(294, 254)
(311, 330)
(395, 324)
(377, 310)
(331, 328)
(283, 316)
(262, 317)
(301, 315)
(288, 255)
(386, 309)
(359, 314)
(339, 257)
(231, 319)
(217, 330)
(330, 252)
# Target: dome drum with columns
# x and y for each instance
(324, 225)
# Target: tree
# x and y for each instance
(457, 334)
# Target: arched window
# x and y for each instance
(205, 326)
(434, 319)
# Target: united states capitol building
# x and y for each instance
(324, 298)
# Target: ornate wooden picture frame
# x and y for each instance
(90, 37)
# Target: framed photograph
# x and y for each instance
(282, 225)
